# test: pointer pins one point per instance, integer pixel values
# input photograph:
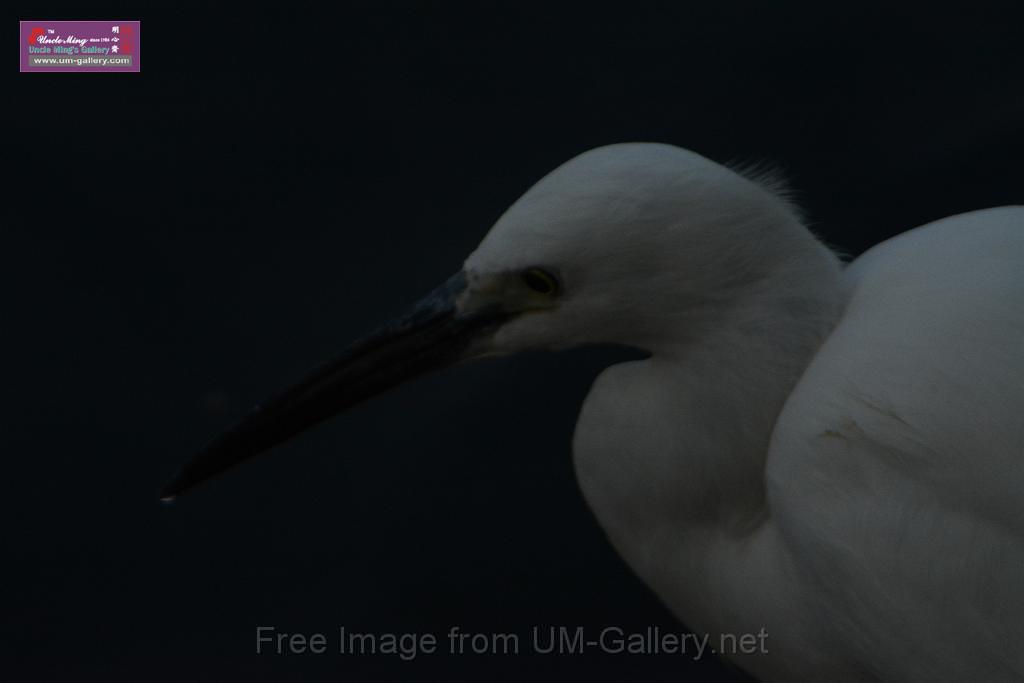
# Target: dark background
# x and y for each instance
(177, 244)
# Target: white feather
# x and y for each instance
(833, 454)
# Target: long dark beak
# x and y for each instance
(432, 335)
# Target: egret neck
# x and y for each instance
(670, 451)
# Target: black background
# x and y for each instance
(177, 244)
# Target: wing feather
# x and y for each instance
(896, 468)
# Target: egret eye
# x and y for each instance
(540, 281)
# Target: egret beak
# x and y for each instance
(435, 333)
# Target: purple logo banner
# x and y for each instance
(81, 46)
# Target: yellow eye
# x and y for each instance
(540, 281)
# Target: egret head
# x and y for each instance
(631, 244)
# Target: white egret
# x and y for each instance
(832, 453)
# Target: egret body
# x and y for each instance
(831, 453)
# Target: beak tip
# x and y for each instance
(171, 490)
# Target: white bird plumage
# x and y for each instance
(830, 454)
(833, 453)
